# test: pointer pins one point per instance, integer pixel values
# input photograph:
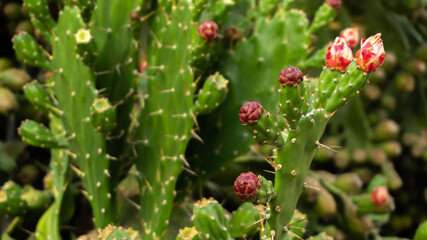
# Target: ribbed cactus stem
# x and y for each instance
(295, 158)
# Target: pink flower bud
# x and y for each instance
(379, 195)
(250, 112)
(208, 31)
(338, 55)
(290, 76)
(246, 186)
(334, 4)
(351, 36)
(371, 54)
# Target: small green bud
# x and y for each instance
(103, 115)
(212, 94)
(189, 234)
(37, 134)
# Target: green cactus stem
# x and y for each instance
(29, 52)
(242, 221)
(211, 95)
(324, 15)
(40, 97)
(41, 18)
(295, 158)
(39, 135)
(189, 234)
(103, 115)
(209, 218)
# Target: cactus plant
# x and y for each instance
(302, 132)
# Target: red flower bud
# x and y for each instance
(208, 31)
(371, 54)
(246, 186)
(379, 195)
(338, 55)
(334, 4)
(290, 76)
(250, 112)
(351, 36)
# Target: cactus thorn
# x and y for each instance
(77, 171)
(331, 148)
(194, 134)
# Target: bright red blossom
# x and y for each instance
(338, 55)
(351, 36)
(246, 186)
(371, 54)
(379, 195)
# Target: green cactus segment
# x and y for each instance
(189, 234)
(266, 192)
(316, 60)
(277, 42)
(37, 134)
(366, 206)
(115, 62)
(348, 86)
(11, 203)
(86, 8)
(75, 91)
(266, 130)
(328, 82)
(295, 158)
(297, 226)
(39, 97)
(28, 51)
(103, 115)
(211, 95)
(324, 15)
(111, 232)
(36, 199)
(48, 224)
(86, 47)
(209, 218)
(291, 104)
(40, 17)
(168, 108)
(242, 222)
(421, 232)
(15, 200)
(118, 234)
(14, 78)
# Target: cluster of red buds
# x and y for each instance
(369, 57)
